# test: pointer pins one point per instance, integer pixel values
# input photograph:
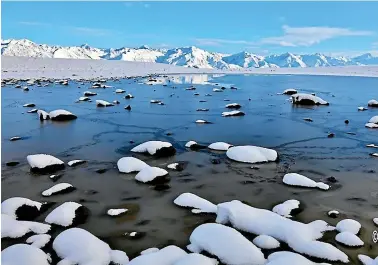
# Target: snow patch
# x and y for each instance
(219, 146)
(198, 204)
(130, 164)
(294, 179)
(58, 188)
(251, 154)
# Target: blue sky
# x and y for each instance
(259, 27)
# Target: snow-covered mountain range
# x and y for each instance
(186, 56)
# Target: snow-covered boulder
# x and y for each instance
(195, 259)
(230, 246)
(13, 228)
(60, 188)
(73, 163)
(301, 237)
(119, 91)
(202, 122)
(39, 241)
(43, 115)
(198, 204)
(295, 179)
(130, 164)
(129, 96)
(233, 106)
(290, 91)
(290, 258)
(155, 148)
(62, 115)
(373, 103)
(84, 99)
(21, 208)
(366, 260)
(307, 99)
(103, 103)
(217, 90)
(68, 214)
(29, 105)
(149, 174)
(89, 93)
(251, 154)
(362, 108)
(15, 138)
(348, 225)
(43, 163)
(232, 113)
(116, 212)
(23, 254)
(219, 146)
(177, 166)
(165, 256)
(375, 221)
(78, 246)
(373, 122)
(284, 209)
(155, 101)
(266, 242)
(333, 213)
(349, 239)
(32, 111)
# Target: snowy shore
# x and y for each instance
(28, 67)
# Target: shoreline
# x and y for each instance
(30, 67)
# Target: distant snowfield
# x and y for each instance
(28, 67)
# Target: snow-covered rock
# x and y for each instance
(68, 214)
(23, 254)
(217, 90)
(44, 163)
(348, 225)
(198, 204)
(219, 146)
(295, 179)
(375, 220)
(195, 259)
(116, 212)
(73, 163)
(103, 103)
(190, 143)
(155, 148)
(290, 91)
(290, 258)
(84, 99)
(284, 209)
(251, 154)
(15, 138)
(89, 93)
(307, 99)
(13, 228)
(233, 106)
(266, 242)
(39, 241)
(60, 188)
(29, 105)
(62, 115)
(373, 103)
(119, 91)
(366, 260)
(202, 122)
(43, 115)
(178, 166)
(362, 108)
(149, 174)
(129, 96)
(333, 213)
(230, 246)
(232, 113)
(130, 164)
(301, 237)
(21, 208)
(373, 122)
(78, 246)
(349, 239)
(165, 256)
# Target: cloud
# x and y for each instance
(220, 42)
(92, 31)
(34, 23)
(308, 36)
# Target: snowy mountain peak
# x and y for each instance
(190, 56)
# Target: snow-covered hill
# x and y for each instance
(185, 56)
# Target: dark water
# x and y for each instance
(101, 136)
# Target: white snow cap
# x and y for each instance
(290, 91)
(349, 239)
(366, 260)
(201, 121)
(56, 188)
(233, 105)
(198, 204)
(232, 113)
(115, 212)
(60, 112)
(150, 173)
(195, 259)
(151, 147)
(10, 206)
(230, 246)
(13, 228)
(297, 98)
(348, 225)
(78, 246)
(23, 254)
(284, 209)
(41, 161)
(165, 256)
(299, 236)
(130, 164)
(294, 179)
(373, 103)
(39, 241)
(290, 258)
(190, 143)
(44, 114)
(103, 103)
(63, 215)
(266, 242)
(220, 146)
(75, 162)
(251, 154)
(84, 98)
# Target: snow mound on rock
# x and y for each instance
(23, 254)
(219, 146)
(349, 239)
(294, 179)
(157, 148)
(198, 204)
(348, 225)
(39, 241)
(148, 174)
(165, 256)
(14, 229)
(307, 99)
(16, 205)
(130, 164)
(251, 154)
(284, 209)
(266, 242)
